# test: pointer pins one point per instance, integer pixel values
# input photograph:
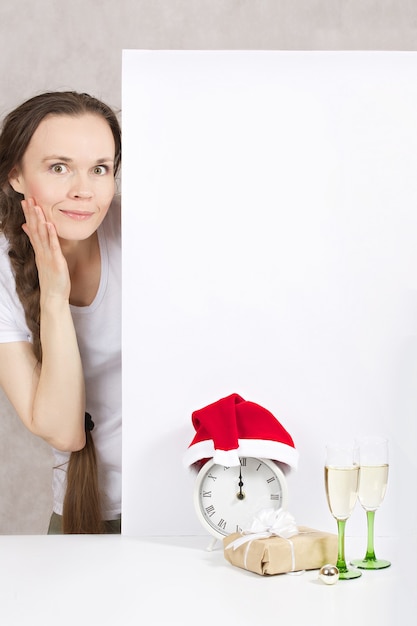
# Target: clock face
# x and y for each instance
(227, 498)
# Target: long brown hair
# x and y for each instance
(81, 512)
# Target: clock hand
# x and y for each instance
(240, 495)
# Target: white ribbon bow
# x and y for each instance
(266, 523)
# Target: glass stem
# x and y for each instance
(341, 563)
(370, 552)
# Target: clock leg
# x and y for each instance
(211, 545)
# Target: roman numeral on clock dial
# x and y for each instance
(210, 510)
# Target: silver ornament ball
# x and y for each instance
(329, 574)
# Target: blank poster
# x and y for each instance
(269, 249)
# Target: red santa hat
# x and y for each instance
(233, 427)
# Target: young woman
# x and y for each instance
(60, 300)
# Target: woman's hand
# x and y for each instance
(54, 278)
(53, 403)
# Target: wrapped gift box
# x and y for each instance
(309, 549)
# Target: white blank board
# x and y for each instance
(269, 249)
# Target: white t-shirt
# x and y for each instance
(98, 329)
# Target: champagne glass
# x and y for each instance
(341, 474)
(373, 478)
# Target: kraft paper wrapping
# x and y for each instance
(309, 549)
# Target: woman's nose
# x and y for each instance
(81, 187)
(83, 194)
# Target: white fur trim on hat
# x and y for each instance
(258, 448)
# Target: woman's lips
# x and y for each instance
(78, 215)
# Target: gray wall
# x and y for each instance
(51, 45)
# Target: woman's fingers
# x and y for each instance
(51, 264)
(42, 234)
(36, 226)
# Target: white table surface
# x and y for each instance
(105, 579)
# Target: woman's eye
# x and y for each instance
(59, 168)
(100, 170)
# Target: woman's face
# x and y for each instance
(68, 169)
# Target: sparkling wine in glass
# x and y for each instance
(373, 478)
(341, 477)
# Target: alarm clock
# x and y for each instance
(240, 452)
(227, 498)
